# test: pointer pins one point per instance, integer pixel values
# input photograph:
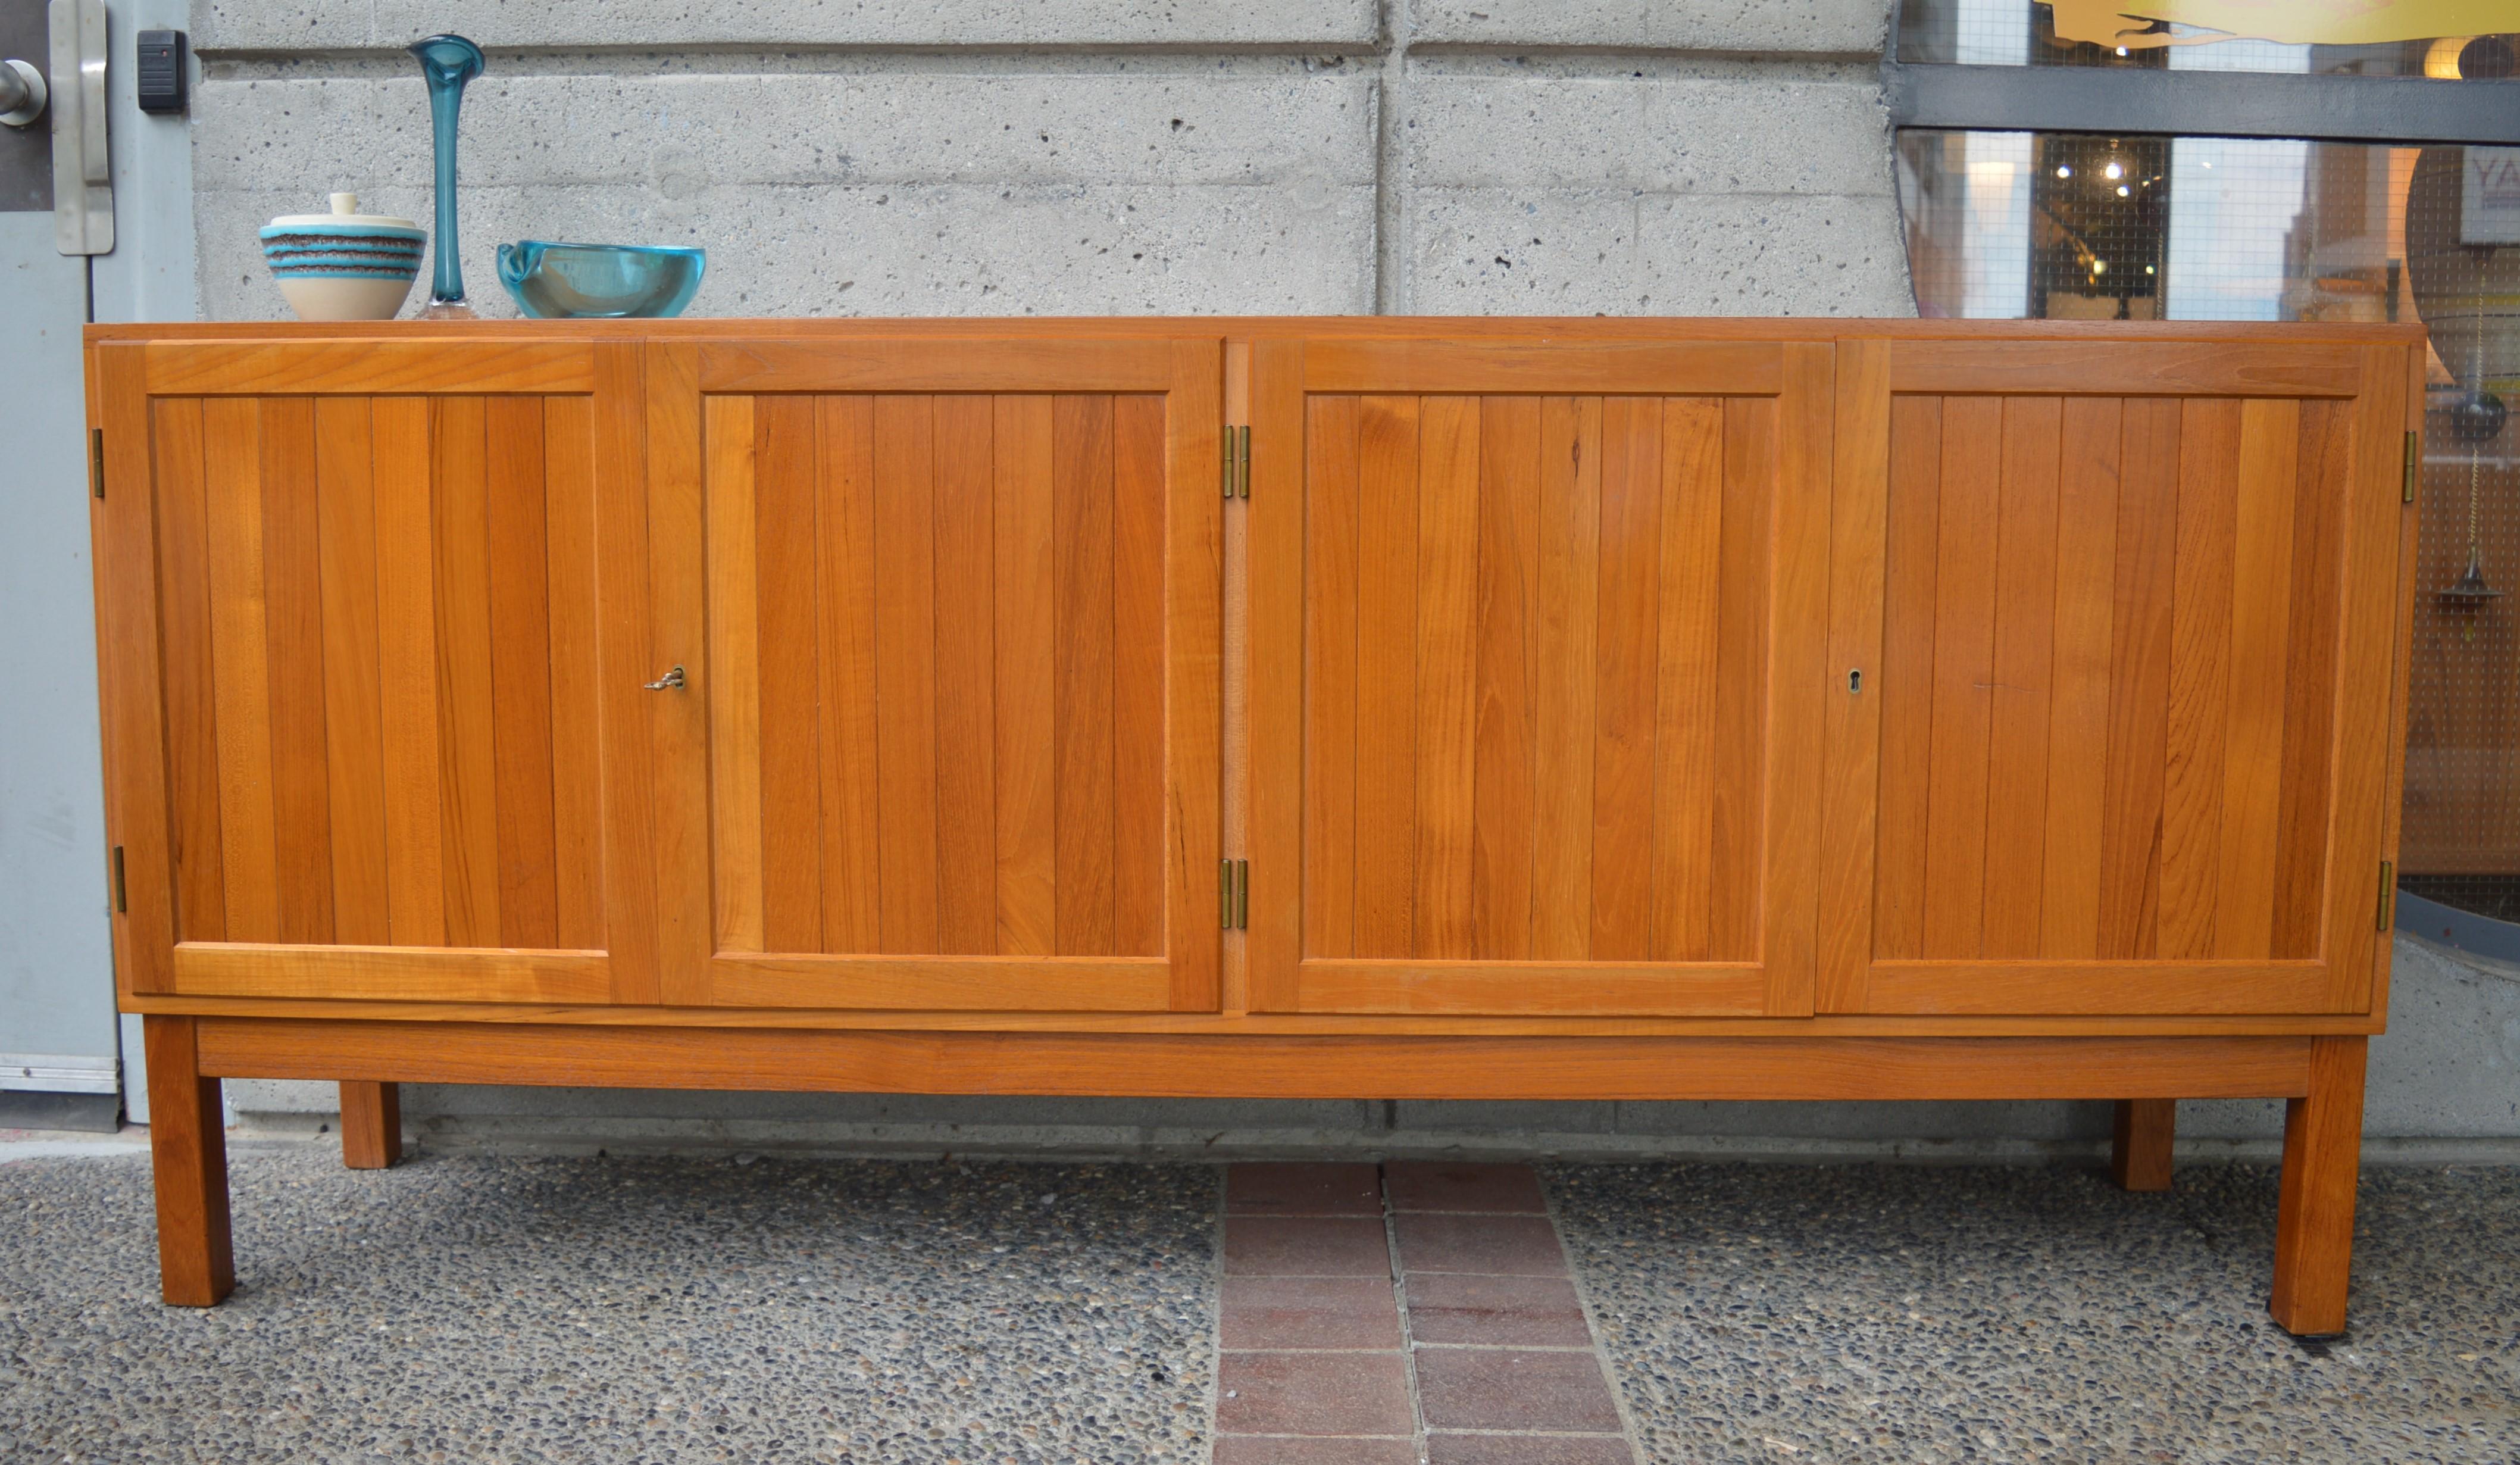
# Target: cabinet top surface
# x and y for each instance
(1594, 328)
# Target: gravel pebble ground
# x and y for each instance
(1862, 1314)
(501, 1308)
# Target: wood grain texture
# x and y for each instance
(850, 772)
(1190, 1065)
(189, 1161)
(1911, 535)
(1621, 889)
(576, 733)
(191, 678)
(789, 772)
(906, 614)
(678, 603)
(627, 641)
(1687, 679)
(966, 579)
(2090, 431)
(354, 685)
(371, 1125)
(1850, 815)
(466, 726)
(520, 674)
(1447, 671)
(1027, 647)
(294, 638)
(2200, 673)
(1502, 811)
(2021, 701)
(2140, 641)
(130, 678)
(1329, 589)
(2141, 1131)
(434, 974)
(407, 675)
(1387, 655)
(1141, 883)
(1965, 610)
(1566, 674)
(2121, 368)
(1081, 465)
(2314, 1210)
(735, 810)
(239, 651)
(1458, 367)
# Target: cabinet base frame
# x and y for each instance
(2321, 1076)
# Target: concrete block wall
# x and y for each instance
(985, 156)
(1179, 157)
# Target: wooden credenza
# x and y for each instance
(1331, 708)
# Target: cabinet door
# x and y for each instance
(961, 673)
(1536, 646)
(2127, 620)
(348, 598)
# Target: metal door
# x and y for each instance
(57, 1022)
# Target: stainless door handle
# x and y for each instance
(671, 681)
(82, 165)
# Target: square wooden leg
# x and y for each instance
(2140, 1149)
(189, 1148)
(2323, 1157)
(371, 1125)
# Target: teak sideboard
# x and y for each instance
(1337, 708)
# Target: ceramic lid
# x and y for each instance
(345, 210)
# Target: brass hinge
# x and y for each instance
(1233, 893)
(121, 895)
(2388, 894)
(1238, 462)
(2414, 466)
(96, 460)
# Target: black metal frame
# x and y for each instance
(2198, 104)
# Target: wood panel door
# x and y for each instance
(2127, 618)
(1536, 647)
(348, 596)
(960, 674)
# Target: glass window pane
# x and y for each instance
(2320, 37)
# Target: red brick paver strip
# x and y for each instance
(1482, 1356)
(1509, 1246)
(1306, 1246)
(1283, 1313)
(1314, 1393)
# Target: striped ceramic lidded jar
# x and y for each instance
(343, 265)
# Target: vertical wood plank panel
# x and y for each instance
(2262, 562)
(2200, 651)
(967, 850)
(1684, 679)
(2140, 657)
(467, 748)
(293, 560)
(1629, 618)
(190, 673)
(407, 679)
(577, 763)
(637, 826)
(1912, 538)
(1963, 669)
(677, 568)
(1386, 675)
(850, 767)
(353, 749)
(2322, 459)
(1330, 431)
(1502, 816)
(2087, 530)
(1448, 560)
(1567, 672)
(1027, 649)
(905, 668)
(1139, 645)
(1746, 568)
(2025, 638)
(732, 431)
(1081, 507)
(239, 651)
(1859, 541)
(785, 537)
(520, 657)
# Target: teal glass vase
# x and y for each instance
(446, 62)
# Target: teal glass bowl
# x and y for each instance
(582, 281)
